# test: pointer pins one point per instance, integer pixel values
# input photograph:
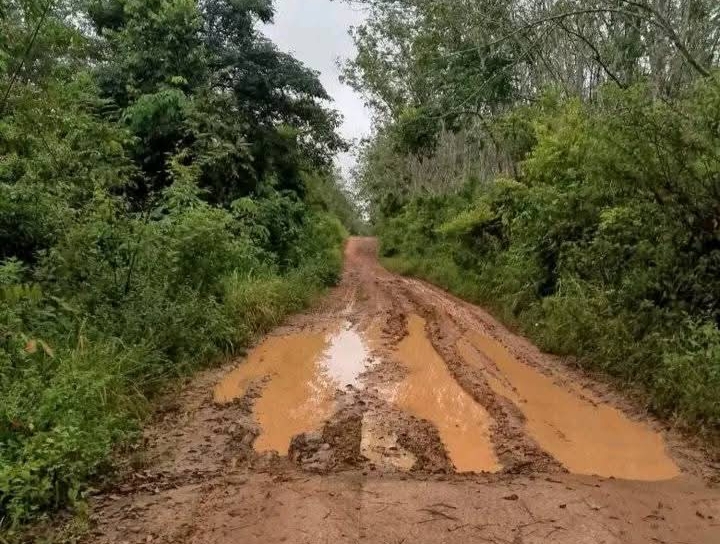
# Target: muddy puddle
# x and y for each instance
(587, 438)
(429, 391)
(300, 375)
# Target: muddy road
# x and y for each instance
(395, 413)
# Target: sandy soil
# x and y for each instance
(395, 413)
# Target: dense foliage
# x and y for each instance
(166, 193)
(573, 188)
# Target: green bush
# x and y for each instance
(121, 304)
(604, 247)
(132, 304)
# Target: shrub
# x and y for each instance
(133, 303)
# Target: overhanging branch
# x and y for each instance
(653, 16)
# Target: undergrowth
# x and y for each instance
(77, 376)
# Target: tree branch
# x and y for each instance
(598, 57)
(28, 49)
(655, 19)
(665, 25)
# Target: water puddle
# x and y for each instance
(379, 445)
(430, 392)
(297, 397)
(586, 438)
(347, 357)
(302, 373)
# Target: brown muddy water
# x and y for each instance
(301, 374)
(586, 437)
(429, 391)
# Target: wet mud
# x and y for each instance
(380, 445)
(393, 412)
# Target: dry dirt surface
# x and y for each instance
(395, 413)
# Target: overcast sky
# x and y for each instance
(316, 32)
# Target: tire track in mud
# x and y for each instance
(372, 471)
(518, 452)
(574, 424)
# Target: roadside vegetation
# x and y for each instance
(166, 194)
(558, 162)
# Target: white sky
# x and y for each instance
(316, 32)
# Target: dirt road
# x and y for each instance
(394, 413)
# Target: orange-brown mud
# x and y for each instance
(396, 413)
